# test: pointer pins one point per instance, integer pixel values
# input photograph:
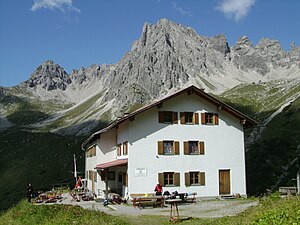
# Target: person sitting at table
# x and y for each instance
(158, 189)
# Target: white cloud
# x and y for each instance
(185, 12)
(62, 5)
(236, 8)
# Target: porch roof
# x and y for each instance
(118, 162)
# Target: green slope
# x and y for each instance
(42, 159)
(271, 158)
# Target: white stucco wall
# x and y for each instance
(105, 152)
(224, 148)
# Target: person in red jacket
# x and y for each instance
(78, 183)
(158, 189)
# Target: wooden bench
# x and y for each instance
(142, 200)
(191, 197)
(288, 191)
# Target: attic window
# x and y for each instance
(167, 117)
(189, 118)
(209, 118)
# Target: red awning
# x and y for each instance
(118, 162)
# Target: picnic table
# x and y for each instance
(148, 200)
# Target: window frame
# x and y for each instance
(168, 176)
(189, 118)
(209, 118)
(168, 117)
(196, 143)
(174, 146)
(200, 147)
(170, 150)
(192, 176)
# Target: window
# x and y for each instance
(125, 148)
(209, 118)
(193, 147)
(189, 118)
(194, 178)
(167, 117)
(168, 147)
(169, 179)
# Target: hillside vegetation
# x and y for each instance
(271, 210)
(43, 159)
(273, 146)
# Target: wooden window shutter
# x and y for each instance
(187, 179)
(95, 176)
(182, 118)
(196, 118)
(216, 119)
(125, 179)
(160, 147)
(118, 149)
(161, 179)
(186, 147)
(160, 116)
(177, 179)
(203, 120)
(176, 145)
(125, 148)
(202, 178)
(175, 117)
(94, 151)
(201, 147)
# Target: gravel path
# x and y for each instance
(200, 209)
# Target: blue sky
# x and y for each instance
(76, 33)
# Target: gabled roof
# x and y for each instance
(247, 121)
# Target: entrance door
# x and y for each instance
(224, 182)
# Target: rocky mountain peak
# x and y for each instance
(243, 42)
(49, 76)
(219, 43)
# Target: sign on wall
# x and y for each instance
(140, 172)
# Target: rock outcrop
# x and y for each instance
(166, 57)
(49, 76)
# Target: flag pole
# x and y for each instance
(75, 169)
